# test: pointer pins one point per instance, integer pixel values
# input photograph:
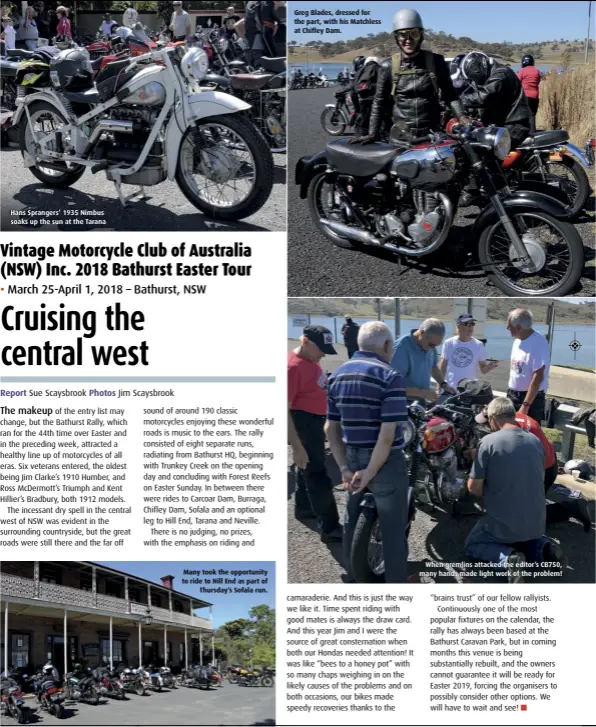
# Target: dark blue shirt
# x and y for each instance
(364, 393)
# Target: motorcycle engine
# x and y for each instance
(442, 481)
(418, 220)
(275, 121)
(427, 219)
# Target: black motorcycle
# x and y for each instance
(12, 704)
(341, 116)
(201, 677)
(403, 196)
(438, 440)
(49, 694)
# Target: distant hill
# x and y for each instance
(383, 44)
(582, 314)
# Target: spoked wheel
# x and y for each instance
(45, 119)
(267, 681)
(555, 248)
(333, 122)
(225, 167)
(569, 177)
(368, 560)
(325, 203)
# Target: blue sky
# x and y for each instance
(225, 608)
(519, 22)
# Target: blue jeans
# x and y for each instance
(390, 490)
(483, 546)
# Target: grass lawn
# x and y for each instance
(581, 450)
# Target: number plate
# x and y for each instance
(555, 157)
(53, 690)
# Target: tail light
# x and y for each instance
(511, 159)
(592, 143)
(17, 694)
(53, 690)
(450, 124)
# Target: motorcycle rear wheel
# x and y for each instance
(140, 690)
(266, 681)
(211, 144)
(58, 711)
(317, 189)
(333, 122)
(494, 252)
(367, 566)
(571, 172)
(92, 696)
(45, 112)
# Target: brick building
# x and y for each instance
(72, 611)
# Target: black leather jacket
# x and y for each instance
(415, 103)
(500, 101)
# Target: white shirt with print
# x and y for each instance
(462, 359)
(527, 357)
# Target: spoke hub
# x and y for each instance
(535, 251)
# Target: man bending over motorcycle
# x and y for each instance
(508, 472)
(417, 79)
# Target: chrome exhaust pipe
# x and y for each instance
(122, 127)
(352, 233)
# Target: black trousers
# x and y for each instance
(536, 411)
(351, 350)
(533, 104)
(314, 489)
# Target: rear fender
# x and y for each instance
(307, 168)
(522, 200)
(542, 188)
(47, 96)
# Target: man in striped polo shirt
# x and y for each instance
(365, 404)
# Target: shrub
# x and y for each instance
(567, 102)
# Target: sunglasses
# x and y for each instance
(470, 323)
(411, 34)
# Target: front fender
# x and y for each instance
(368, 501)
(523, 199)
(196, 106)
(307, 168)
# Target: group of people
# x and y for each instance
(359, 409)
(26, 32)
(415, 87)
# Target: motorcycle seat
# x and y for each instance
(362, 160)
(215, 79)
(88, 96)
(274, 65)
(19, 53)
(250, 81)
(543, 139)
(112, 77)
(95, 65)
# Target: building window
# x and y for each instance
(134, 595)
(156, 600)
(49, 574)
(118, 650)
(113, 589)
(86, 582)
(178, 607)
(20, 649)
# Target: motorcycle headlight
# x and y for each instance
(502, 143)
(194, 64)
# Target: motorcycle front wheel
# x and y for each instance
(333, 121)
(92, 696)
(266, 681)
(569, 176)
(555, 247)
(140, 690)
(367, 559)
(225, 167)
(45, 118)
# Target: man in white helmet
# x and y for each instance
(417, 79)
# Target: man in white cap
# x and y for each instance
(463, 355)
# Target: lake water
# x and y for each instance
(332, 69)
(498, 338)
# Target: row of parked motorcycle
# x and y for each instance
(87, 685)
(308, 80)
(143, 109)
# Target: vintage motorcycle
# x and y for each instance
(403, 196)
(49, 694)
(142, 121)
(80, 687)
(12, 703)
(168, 679)
(337, 118)
(202, 677)
(132, 682)
(437, 440)
(108, 682)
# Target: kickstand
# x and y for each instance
(399, 264)
(125, 199)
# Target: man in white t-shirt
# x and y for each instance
(130, 17)
(463, 355)
(8, 33)
(106, 27)
(530, 363)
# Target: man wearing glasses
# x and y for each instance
(415, 357)
(463, 355)
(417, 79)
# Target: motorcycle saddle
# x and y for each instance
(358, 160)
(19, 53)
(543, 139)
(249, 81)
(274, 65)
